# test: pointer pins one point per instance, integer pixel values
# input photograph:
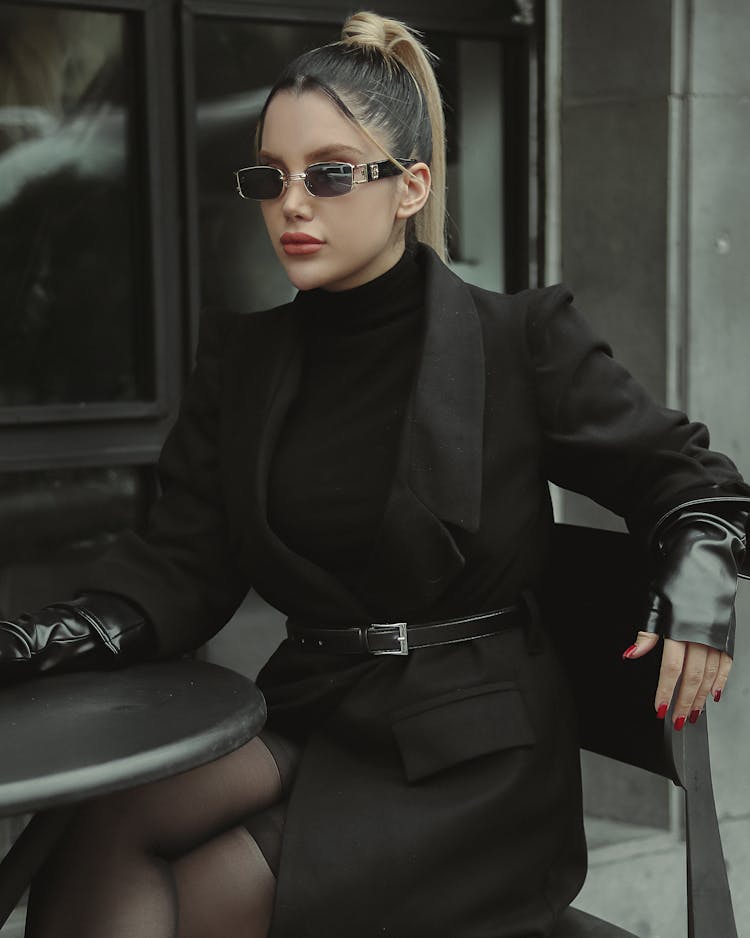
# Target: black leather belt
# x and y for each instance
(399, 638)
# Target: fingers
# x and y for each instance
(697, 669)
(703, 671)
(720, 681)
(673, 663)
(708, 679)
(694, 684)
(643, 644)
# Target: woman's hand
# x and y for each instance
(91, 631)
(699, 552)
(703, 670)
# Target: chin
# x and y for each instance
(328, 273)
(307, 274)
(306, 279)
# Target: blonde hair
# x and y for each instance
(381, 76)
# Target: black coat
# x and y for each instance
(439, 793)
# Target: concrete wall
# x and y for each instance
(614, 148)
(717, 273)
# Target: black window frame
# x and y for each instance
(132, 432)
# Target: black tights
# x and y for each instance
(170, 859)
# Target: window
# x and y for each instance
(76, 325)
(89, 234)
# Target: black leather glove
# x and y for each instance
(699, 552)
(99, 630)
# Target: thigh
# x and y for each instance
(172, 816)
(224, 889)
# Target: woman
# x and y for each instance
(378, 451)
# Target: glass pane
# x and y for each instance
(55, 521)
(75, 325)
(236, 62)
(470, 74)
(235, 65)
(62, 513)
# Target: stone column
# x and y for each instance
(714, 232)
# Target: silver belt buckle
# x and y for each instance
(397, 630)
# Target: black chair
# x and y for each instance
(598, 583)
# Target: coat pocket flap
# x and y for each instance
(444, 731)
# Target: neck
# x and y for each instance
(397, 292)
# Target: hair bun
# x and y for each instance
(373, 32)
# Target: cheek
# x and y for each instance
(366, 219)
(266, 210)
(273, 221)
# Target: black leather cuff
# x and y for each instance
(732, 508)
(97, 630)
(698, 555)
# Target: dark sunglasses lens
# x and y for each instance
(326, 180)
(260, 182)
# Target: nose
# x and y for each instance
(296, 200)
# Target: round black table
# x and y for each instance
(67, 738)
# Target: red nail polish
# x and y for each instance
(717, 696)
(662, 711)
(694, 716)
(628, 653)
(679, 723)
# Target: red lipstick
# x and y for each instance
(296, 242)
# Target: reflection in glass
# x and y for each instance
(475, 199)
(45, 514)
(236, 63)
(71, 244)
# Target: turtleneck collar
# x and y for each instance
(393, 295)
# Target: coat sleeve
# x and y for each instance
(182, 573)
(604, 436)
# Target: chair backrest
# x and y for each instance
(598, 584)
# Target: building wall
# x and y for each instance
(716, 234)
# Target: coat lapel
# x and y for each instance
(267, 392)
(439, 476)
(437, 484)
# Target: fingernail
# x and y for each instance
(679, 723)
(694, 716)
(717, 696)
(628, 653)
(662, 711)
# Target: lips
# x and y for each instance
(296, 242)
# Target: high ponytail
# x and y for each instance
(381, 76)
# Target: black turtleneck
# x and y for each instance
(335, 459)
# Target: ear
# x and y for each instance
(415, 190)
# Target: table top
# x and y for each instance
(66, 738)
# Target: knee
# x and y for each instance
(117, 819)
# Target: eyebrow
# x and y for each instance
(329, 151)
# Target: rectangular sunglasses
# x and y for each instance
(323, 180)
